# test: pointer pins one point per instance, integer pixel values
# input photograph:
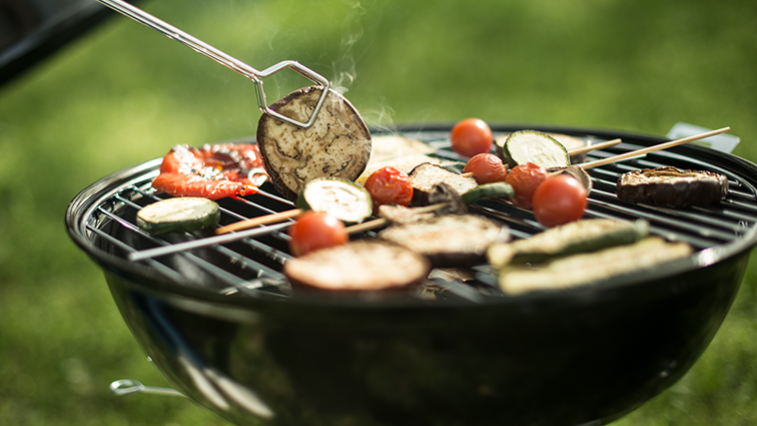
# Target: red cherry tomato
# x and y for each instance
(390, 186)
(558, 200)
(470, 137)
(316, 230)
(486, 168)
(525, 178)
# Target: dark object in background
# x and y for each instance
(672, 187)
(31, 30)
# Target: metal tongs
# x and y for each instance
(228, 61)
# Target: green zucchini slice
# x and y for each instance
(341, 198)
(582, 236)
(536, 147)
(181, 214)
(488, 190)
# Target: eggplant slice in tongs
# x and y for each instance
(312, 132)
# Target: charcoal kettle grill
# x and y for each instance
(227, 330)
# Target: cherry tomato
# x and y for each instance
(316, 230)
(486, 168)
(525, 178)
(470, 137)
(558, 200)
(390, 186)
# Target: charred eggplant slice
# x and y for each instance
(449, 241)
(338, 144)
(591, 268)
(363, 265)
(672, 187)
(426, 175)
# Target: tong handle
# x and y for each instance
(228, 61)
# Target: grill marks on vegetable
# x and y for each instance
(338, 144)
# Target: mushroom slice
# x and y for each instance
(363, 265)
(449, 241)
(338, 144)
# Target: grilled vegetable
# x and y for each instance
(577, 172)
(314, 231)
(338, 144)
(183, 214)
(470, 137)
(389, 185)
(401, 215)
(525, 178)
(426, 175)
(341, 198)
(672, 187)
(558, 200)
(360, 265)
(536, 147)
(576, 237)
(213, 171)
(449, 241)
(570, 143)
(489, 190)
(452, 201)
(486, 168)
(592, 268)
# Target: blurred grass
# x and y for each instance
(124, 94)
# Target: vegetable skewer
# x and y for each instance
(219, 239)
(290, 214)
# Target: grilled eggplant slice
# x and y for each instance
(672, 187)
(426, 175)
(363, 265)
(582, 236)
(449, 241)
(338, 144)
(589, 268)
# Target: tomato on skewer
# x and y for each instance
(558, 200)
(525, 178)
(389, 185)
(316, 230)
(486, 168)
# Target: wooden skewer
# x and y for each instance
(257, 221)
(653, 148)
(601, 145)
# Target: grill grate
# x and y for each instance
(252, 266)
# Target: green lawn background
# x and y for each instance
(125, 94)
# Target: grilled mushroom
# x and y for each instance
(426, 175)
(672, 187)
(338, 144)
(363, 265)
(449, 241)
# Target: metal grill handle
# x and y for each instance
(228, 61)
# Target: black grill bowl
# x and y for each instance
(588, 354)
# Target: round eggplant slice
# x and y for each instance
(672, 187)
(363, 265)
(449, 241)
(338, 144)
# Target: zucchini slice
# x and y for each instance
(592, 268)
(576, 237)
(488, 190)
(536, 147)
(181, 214)
(341, 198)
